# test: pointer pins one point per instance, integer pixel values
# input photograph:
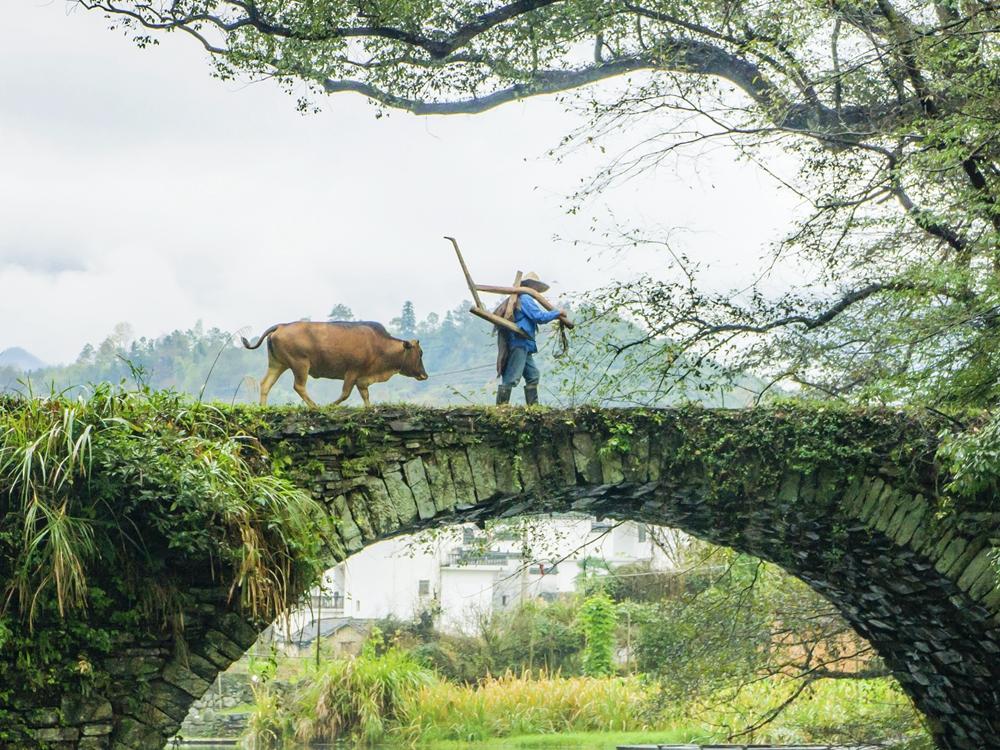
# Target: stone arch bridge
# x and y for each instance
(846, 501)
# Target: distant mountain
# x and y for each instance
(19, 359)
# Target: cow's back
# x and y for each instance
(332, 349)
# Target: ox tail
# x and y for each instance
(260, 341)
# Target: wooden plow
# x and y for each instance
(507, 319)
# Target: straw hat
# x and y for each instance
(531, 279)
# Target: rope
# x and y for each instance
(455, 372)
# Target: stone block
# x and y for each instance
(419, 484)
(44, 717)
(961, 560)
(78, 709)
(654, 467)
(934, 546)
(135, 735)
(483, 472)
(951, 554)
(57, 734)
(528, 473)
(173, 702)
(612, 467)
(346, 526)
(635, 463)
(96, 730)
(788, 490)
(461, 474)
(854, 491)
(988, 580)
(357, 503)
(99, 742)
(183, 678)
(223, 645)
(505, 466)
(905, 522)
(979, 565)
(199, 665)
(238, 629)
(585, 458)
(135, 667)
(890, 504)
(438, 473)
(873, 501)
(565, 473)
(391, 500)
(398, 498)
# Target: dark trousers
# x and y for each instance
(520, 363)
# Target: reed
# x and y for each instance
(527, 704)
(358, 699)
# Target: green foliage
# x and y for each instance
(269, 724)
(358, 699)
(839, 713)
(597, 621)
(537, 635)
(406, 324)
(153, 483)
(972, 460)
(696, 646)
(340, 311)
(110, 506)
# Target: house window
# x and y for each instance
(503, 600)
(423, 587)
(468, 535)
(642, 532)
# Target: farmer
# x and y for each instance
(516, 353)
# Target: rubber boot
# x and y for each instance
(503, 394)
(530, 395)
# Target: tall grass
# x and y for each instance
(527, 704)
(140, 479)
(269, 724)
(391, 699)
(360, 699)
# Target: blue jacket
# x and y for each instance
(528, 317)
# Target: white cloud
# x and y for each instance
(135, 187)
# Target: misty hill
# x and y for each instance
(459, 354)
(16, 358)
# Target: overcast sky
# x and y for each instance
(134, 187)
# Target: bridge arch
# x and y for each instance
(843, 500)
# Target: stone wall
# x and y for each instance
(212, 715)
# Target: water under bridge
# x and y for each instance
(846, 501)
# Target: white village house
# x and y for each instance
(462, 574)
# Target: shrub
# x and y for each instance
(358, 699)
(597, 621)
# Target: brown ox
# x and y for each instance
(357, 353)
